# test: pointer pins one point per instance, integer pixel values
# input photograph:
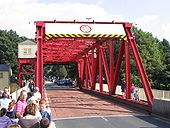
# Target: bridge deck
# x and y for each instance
(75, 109)
(73, 103)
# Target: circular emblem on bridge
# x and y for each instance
(85, 28)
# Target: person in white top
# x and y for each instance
(4, 101)
(37, 94)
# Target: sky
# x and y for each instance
(149, 15)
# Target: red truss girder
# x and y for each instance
(89, 65)
(111, 74)
(91, 58)
(65, 50)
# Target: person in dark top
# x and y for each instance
(29, 123)
(11, 110)
(123, 88)
(31, 86)
(45, 112)
(4, 120)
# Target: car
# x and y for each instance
(64, 82)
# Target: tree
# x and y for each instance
(165, 83)
(9, 48)
(152, 54)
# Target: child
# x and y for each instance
(10, 110)
(136, 95)
(14, 126)
(44, 123)
(44, 111)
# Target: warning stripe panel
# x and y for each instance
(50, 36)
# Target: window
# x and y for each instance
(27, 51)
(1, 75)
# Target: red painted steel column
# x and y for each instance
(93, 70)
(111, 53)
(95, 66)
(127, 65)
(79, 76)
(40, 29)
(118, 65)
(86, 67)
(139, 64)
(105, 67)
(89, 68)
(100, 72)
(79, 68)
(82, 72)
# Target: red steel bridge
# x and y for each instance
(86, 44)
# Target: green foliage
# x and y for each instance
(9, 48)
(155, 58)
(71, 70)
(61, 71)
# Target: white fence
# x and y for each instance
(159, 94)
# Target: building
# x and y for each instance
(5, 75)
(27, 49)
(26, 60)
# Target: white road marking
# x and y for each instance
(80, 117)
(104, 119)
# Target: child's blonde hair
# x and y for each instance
(14, 126)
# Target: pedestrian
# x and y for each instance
(44, 123)
(4, 101)
(4, 120)
(31, 86)
(45, 112)
(132, 91)
(21, 104)
(123, 88)
(30, 120)
(136, 95)
(37, 94)
(11, 110)
(14, 126)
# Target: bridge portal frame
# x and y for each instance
(88, 66)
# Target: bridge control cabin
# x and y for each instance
(26, 59)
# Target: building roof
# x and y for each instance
(4, 67)
(27, 42)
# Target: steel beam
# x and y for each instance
(111, 56)
(40, 30)
(103, 55)
(139, 64)
(118, 66)
(100, 72)
(127, 66)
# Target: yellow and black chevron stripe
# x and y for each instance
(50, 36)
